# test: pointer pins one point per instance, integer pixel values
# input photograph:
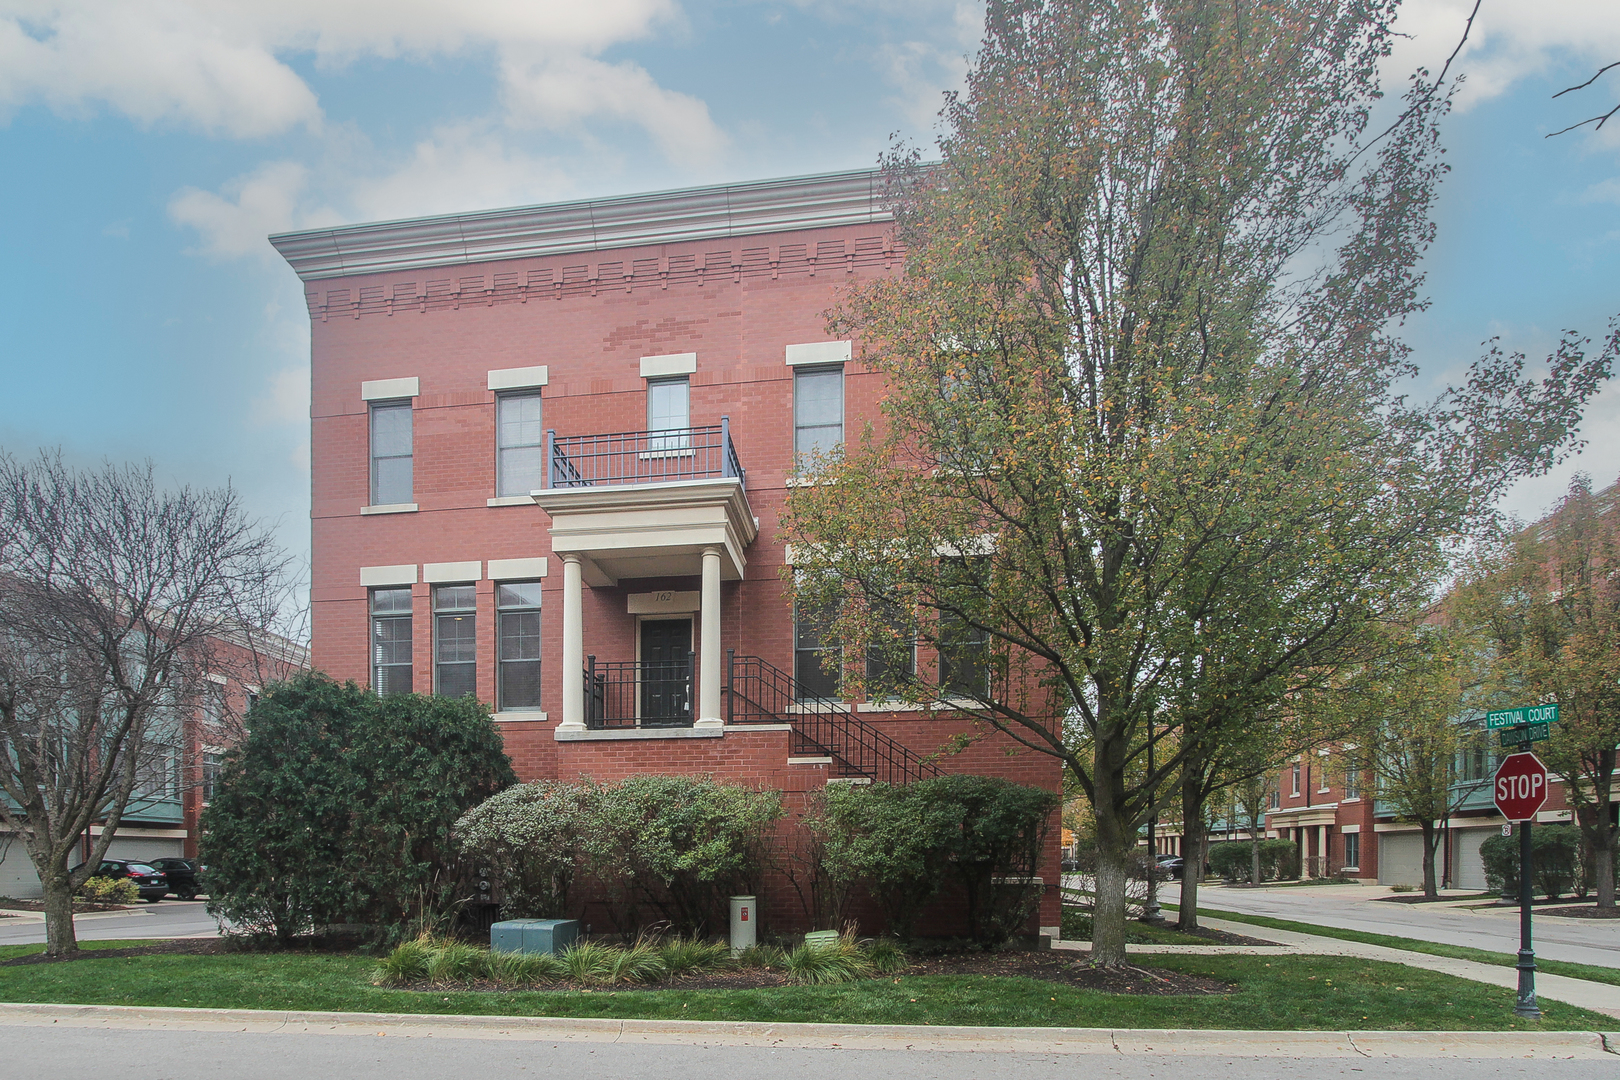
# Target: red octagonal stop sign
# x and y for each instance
(1521, 786)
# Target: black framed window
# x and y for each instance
(517, 617)
(455, 641)
(964, 649)
(818, 661)
(891, 657)
(520, 441)
(1352, 850)
(391, 479)
(213, 764)
(391, 641)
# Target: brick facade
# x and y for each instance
(589, 314)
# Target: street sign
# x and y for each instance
(1524, 736)
(1521, 786)
(1524, 714)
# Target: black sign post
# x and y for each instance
(1526, 1003)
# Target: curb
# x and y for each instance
(1306, 1044)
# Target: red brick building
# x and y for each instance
(550, 447)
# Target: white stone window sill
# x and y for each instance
(892, 706)
(673, 452)
(1351, 798)
(632, 734)
(527, 716)
(809, 761)
(390, 508)
(758, 727)
(1349, 869)
(806, 481)
(510, 500)
(796, 710)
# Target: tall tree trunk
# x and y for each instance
(1430, 888)
(1114, 846)
(1254, 853)
(58, 900)
(1599, 831)
(1194, 840)
(1194, 845)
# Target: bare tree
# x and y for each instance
(118, 600)
(1601, 118)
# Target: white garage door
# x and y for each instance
(1400, 858)
(17, 877)
(1468, 866)
(145, 847)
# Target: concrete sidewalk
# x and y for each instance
(1010, 1040)
(1599, 997)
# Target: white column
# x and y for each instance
(573, 650)
(709, 643)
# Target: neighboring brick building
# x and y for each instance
(550, 447)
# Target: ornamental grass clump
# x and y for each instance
(842, 960)
(407, 963)
(586, 962)
(638, 963)
(886, 956)
(761, 957)
(525, 969)
(684, 956)
(457, 962)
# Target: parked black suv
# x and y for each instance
(153, 885)
(182, 875)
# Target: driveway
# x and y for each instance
(166, 919)
(1357, 907)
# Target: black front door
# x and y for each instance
(666, 672)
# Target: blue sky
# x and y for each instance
(146, 150)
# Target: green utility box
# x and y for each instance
(533, 935)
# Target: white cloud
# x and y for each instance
(466, 166)
(1511, 40)
(559, 94)
(922, 70)
(1599, 459)
(254, 205)
(219, 65)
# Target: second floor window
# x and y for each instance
(891, 657)
(1295, 771)
(391, 480)
(818, 410)
(1352, 780)
(520, 445)
(517, 614)
(669, 408)
(455, 641)
(213, 764)
(391, 641)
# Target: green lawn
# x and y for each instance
(1077, 927)
(1591, 972)
(1272, 993)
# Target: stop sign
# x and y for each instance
(1521, 786)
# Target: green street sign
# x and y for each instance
(1524, 714)
(1524, 736)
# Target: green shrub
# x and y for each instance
(1232, 860)
(902, 843)
(1554, 860)
(532, 840)
(679, 846)
(1279, 859)
(337, 808)
(841, 960)
(106, 890)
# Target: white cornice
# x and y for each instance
(702, 213)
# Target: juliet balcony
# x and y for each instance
(643, 457)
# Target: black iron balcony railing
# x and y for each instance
(630, 693)
(759, 692)
(643, 457)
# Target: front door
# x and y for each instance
(666, 672)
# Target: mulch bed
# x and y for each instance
(1582, 911)
(1419, 898)
(1067, 968)
(1221, 937)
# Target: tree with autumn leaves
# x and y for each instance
(1142, 471)
(1547, 597)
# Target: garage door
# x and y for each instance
(17, 877)
(145, 847)
(1400, 858)
(1468, 866)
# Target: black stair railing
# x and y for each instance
(758, 692)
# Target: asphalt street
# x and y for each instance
(1354, 907)
(166, 919)
(48, 1053)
